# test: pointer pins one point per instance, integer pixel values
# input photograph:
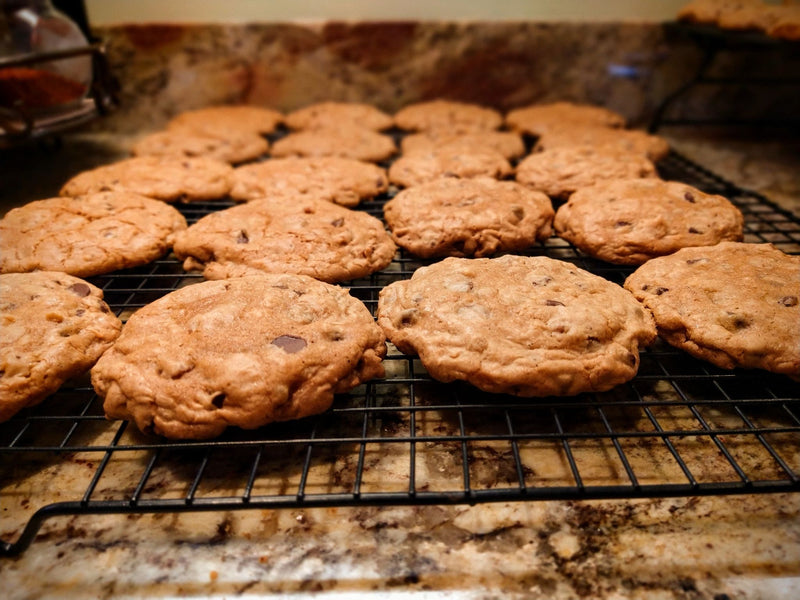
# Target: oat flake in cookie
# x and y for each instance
(733, 304)
(286, 235)
(87, 235)
(345, 181)
(468, 217)
(52, 327)
(629, 221)
(166, 178)
(242, 352)
(529, 326)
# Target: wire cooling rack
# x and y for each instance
(681, 427)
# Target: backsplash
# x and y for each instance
(628, 67)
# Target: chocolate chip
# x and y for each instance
(518, 212)
(218, 400)
(80, 289)
(689, 196)
(789, 301)
(622, 224)
(554, 303)
(289, 343)
(544, 280)
(693, 230)
(338, 222)
(242, 238)
(693, 261)
(660, 290)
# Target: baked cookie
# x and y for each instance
(528, 326)
(213, 119)
(328, 114)
(630, 221)
(53, 327)
(87, 235)
(166, 178)
(286, 235)
(242, 352)
(538, 119)
(784, 23)
(468, 217)
(652, 146)
(448, 161)
(231, 147)
(709, 11)
(345, 181)
(733, 304)
(348, 141)
(447, 115)
(560, 171)
(507, 143)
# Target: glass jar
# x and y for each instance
(32, 81)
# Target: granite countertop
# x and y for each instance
(715, 548)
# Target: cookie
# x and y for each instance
(231, 147)
(468, 217)
(328, 114)
(243, 352)
(213, 119)
(286, 235)
(630, 221)
(53, 327)
(348, 141)
(733, 304)
(528, 326)
(166, 178)
(538, 119)
(558, 172)
(447, 115)
(345, 181)
(507, 143)
(87, 235)
(448, 161)
(784, 23)
(652, 146)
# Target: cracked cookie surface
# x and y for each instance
(87, 235)
(286, 235)
(242, 352)
(468, 217)
(733, 304)
(528, 326)
(53, 326)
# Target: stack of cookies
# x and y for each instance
(271, 335)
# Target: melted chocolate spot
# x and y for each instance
(693, 230)
(242, 238)
(289, 343)
(689, 196)
(554, 303)
(80, 289)
(218, 400)
(692, 261)
(622, 224)
(789, 300)
(660, 290)
(338, 222)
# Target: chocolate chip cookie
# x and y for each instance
(528, 326)
(507, 143)
(87, 235)
(629, 221)
(242, 352)
(53, 327)
(733, 304)
(652, 146)
(468, 217)
(286, 235)
(214, 119)
(348, 141)
(345, 181)
(231, 146)
(560, 171)
(448, 161)
(447, 115)
(166, 178)
(538, 119)
(327, 114)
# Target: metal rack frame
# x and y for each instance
(681, 427)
